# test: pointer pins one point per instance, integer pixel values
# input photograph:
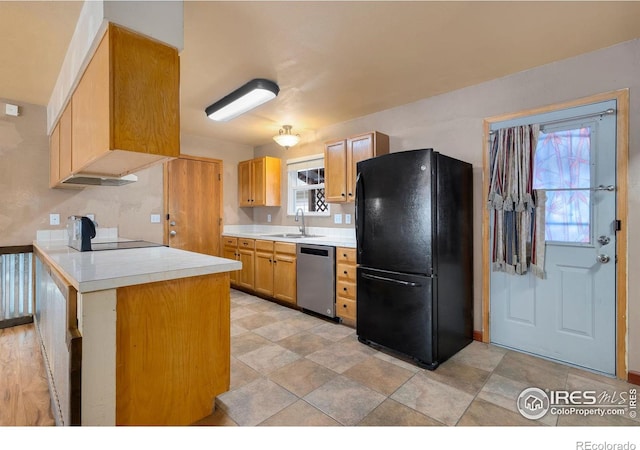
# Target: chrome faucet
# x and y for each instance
(303, 231)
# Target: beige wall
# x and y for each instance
(452, 124)
(26, 200)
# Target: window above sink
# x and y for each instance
(306, 186)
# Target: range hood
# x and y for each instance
(100, 180)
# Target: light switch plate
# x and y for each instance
(347, 218)
(12, 110)
(155, 218)
(54, 219)
(337, 218)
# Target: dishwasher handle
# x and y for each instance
(314, 251)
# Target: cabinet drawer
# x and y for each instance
(246, 243)
(285, 247)
(346, 272)
(347, 255)
(346, 308)
(264, 246)
(229, 241)
(346, 289)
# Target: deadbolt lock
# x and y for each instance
(604, 240)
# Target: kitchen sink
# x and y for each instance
(292, 235)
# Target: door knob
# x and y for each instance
(172, 233)
(603, 258)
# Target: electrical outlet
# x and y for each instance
(269, 218)
(347, 218)
(54, 219)
(337, 218)
(155, 218)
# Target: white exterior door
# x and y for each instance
(569, 316)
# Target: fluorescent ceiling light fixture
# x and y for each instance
(286, 138)
(254, 93)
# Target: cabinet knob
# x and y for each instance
(342, 194)
(350, 194)
(344, 289)
(345, 272)
(344, 306)
(344, 255)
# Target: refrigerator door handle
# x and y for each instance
(359, 214)
(390, 280)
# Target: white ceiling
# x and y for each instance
(333, 61)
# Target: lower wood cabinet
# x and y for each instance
(264, 267)
(346, 285)
(275, 270)
(242, 250)
(246, 255)
(268, 267)
(284, 272)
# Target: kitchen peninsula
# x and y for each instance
(133, 337)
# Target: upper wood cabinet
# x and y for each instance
(259, 182)
(124, 115)
(60, 150)
(341, 158)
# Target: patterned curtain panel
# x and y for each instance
(518, 209)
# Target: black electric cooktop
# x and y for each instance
(95, 246)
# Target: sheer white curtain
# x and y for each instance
(518, 209)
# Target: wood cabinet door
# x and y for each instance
(263, 282)
(194, 205)
(90, 112)
(284, 278)
(245, 277)
(359, 148)
(145, 94)
(259, 182)
(231, 253)
(245, 183)
(335, 170)
(54, 156)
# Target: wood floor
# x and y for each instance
(24, 393)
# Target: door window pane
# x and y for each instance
(563, 161)
(567, 216)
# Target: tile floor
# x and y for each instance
(292, 369)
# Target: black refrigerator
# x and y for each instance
(414, 232)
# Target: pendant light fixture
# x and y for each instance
(254, 93)
(286, 138)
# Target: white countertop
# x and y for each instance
(110, 269)
(327, 236)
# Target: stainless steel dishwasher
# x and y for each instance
(316, 268)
